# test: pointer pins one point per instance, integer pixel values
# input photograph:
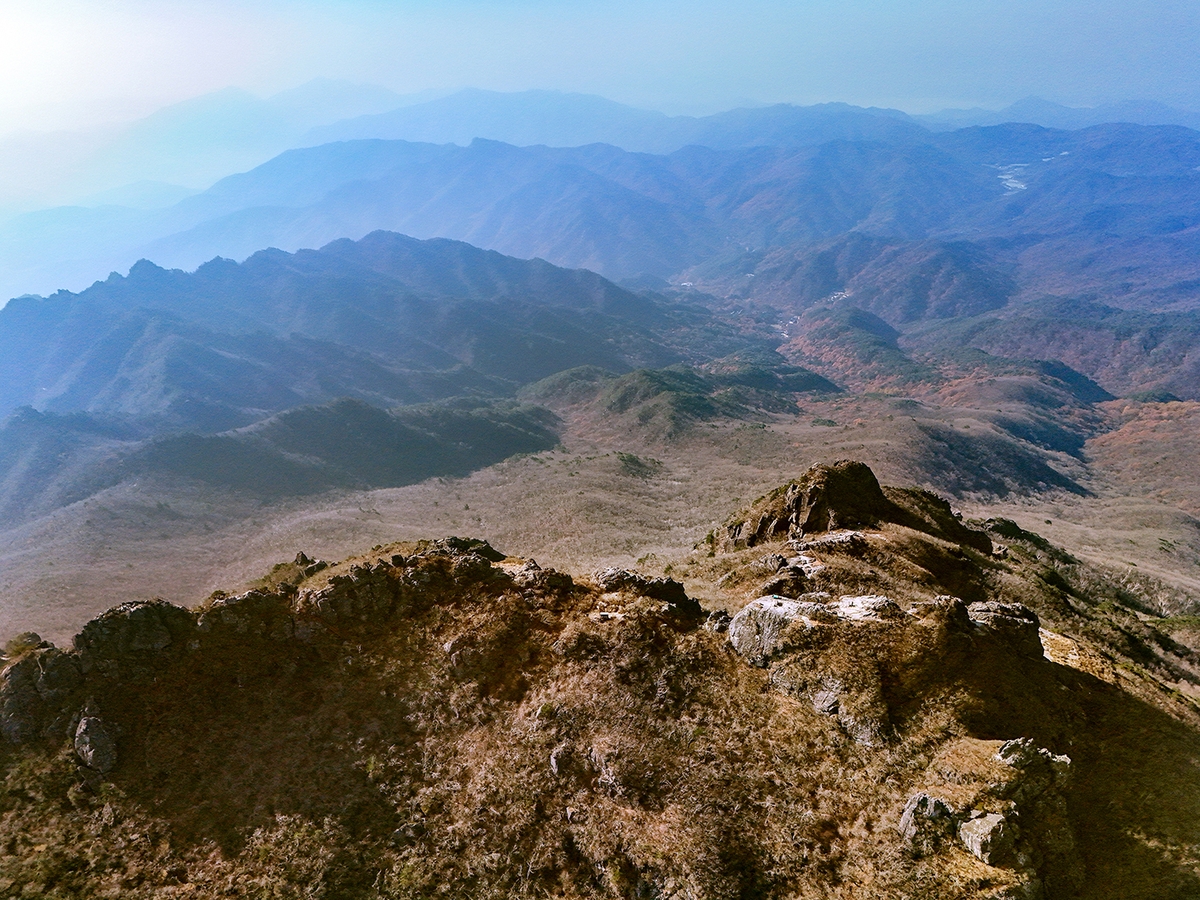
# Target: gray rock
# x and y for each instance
(1012, 623)
(852, 543)
(756, 632)
(867, 608)
(34, 690)
(988, 836)
(668, 590)
(94, 745)
(925, 821)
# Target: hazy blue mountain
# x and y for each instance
(529, 117)
(389, 319)
(1036, 111)
(192, 143)
(618, 213)
(1113, 210)
(142, 195)
(569, 120)
(274, 375)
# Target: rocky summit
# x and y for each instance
(850, 692)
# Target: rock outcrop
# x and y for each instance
(1009, 810)
(34, 689)
(826, 498)
(844, 495)
(94, 746)
(668, 590)
(757, 631)
(860, 658)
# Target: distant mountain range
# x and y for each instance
(1111, 210)
(138, 374)
(1036, 111)
(176, 150)
(557, 119)
(388, 319)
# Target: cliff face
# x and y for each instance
(880, 718)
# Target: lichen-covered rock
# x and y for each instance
(756, 632)
(1015, 624)
(989, 837)
(925, 821)
(668, 590)
(94, 745)
(34, 690)
(133, 636)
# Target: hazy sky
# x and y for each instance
(74, 61)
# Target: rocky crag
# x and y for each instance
(901, 705)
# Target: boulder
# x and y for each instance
(989, 837)
(925, 821)
(94, 745)
(668, 590)
(1014, 624)
(756, 632)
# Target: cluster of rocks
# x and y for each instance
(47, 693)
(839, 653)
(665, 590)
(1007, 809)
(843, 496)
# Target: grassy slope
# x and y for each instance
(580, 508)
(441, 732)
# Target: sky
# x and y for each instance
(76, 63)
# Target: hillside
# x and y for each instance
(883, 713)
(387, 319)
